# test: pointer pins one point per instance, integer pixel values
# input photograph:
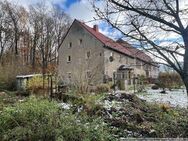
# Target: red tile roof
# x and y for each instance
(135, 52)
(122, 47)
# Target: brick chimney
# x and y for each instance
(96, 28)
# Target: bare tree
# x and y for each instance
(49, 27)
(151, 24)
(12, 25)
(33, 35)
(62, 23)
(13, 15)
(4, 32)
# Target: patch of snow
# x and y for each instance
(112, 104)
(174, 98)
(65, 106)
(80, 108)
(21, 100)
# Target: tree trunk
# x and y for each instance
(185, 65)
(186, 84)
(16, 38)
(33, 59)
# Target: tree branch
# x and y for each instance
(155, 18)
(158, 50)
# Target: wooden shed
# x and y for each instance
(22, 80)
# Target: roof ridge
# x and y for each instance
(110, 43)
(106, 42)
(85, 25)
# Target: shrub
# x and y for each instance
(110, 84)
(39, 119)
(121, 84)
(8, 73)
(171, 124)
(155, 87)
(164, 107)
(85, 128)
(91, 103)
(169, 80)
(142, 80)
(102, 88)
(31, 120)
(8, 77)
(35, 84)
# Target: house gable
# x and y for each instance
(80, 51)
(82, 44)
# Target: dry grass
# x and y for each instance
(8, 74)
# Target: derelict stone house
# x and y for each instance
(89, 55)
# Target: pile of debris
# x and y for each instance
(129, 116)
(125, 115)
